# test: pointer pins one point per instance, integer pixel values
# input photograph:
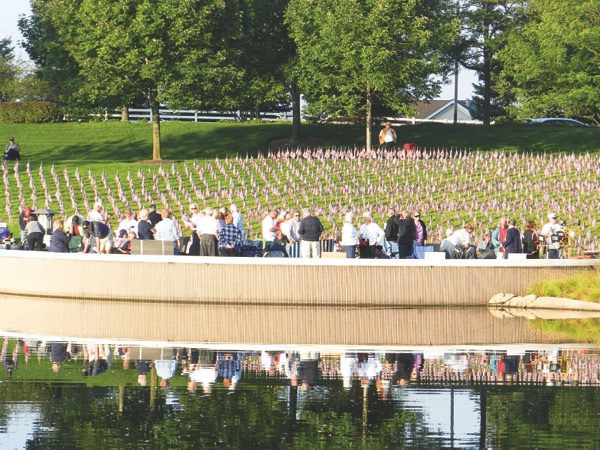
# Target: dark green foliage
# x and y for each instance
(29, 112)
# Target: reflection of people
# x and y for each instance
(165, 369)
(387, 136)
(142, 367)
(205, 371)
(60, 240)
(12, 152)
(405, 364)
(229, 367)
(58, 355)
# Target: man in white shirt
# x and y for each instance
(458, 244)
(549, 229)
(387, 136)
(269, 227)
(373, 234)
(96, 214)
(207, 228)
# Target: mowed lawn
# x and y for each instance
(89, 143)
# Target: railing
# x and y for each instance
(136, 114)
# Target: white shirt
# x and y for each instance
(548, 230)
(349, 234)
(95, 216)
(460, 237)
(267, 224)
(128, 224)
(373, 233)
(207, 225)
(286, 229)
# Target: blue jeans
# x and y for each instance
(350, 250)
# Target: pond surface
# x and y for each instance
(63, 390)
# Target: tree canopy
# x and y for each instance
(555, 60)
(353, 55)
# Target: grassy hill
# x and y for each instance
(69, 166)
(77, 143)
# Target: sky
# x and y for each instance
(10, 10)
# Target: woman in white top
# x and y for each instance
(349, 240)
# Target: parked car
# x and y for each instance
(557, 122)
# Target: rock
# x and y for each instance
(500, 299)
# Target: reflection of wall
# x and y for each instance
(278, 325)
(273, 280)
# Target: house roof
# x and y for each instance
(428, 110)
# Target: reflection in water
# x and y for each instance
(202, 395)
(75, 374)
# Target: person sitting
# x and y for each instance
(12, 152)
(487, 250)
(122, 245)
(5, 234)
(60, 240)
(458, 244)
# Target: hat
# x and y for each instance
(98, 204)
(552, 216)
(122, 233)
(11, 139)
(86, 225)
(367, 215)
(27, 211)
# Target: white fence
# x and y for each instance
(136, 114)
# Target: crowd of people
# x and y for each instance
(296, 233)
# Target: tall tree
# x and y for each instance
(124, 49)
(486, 24)
(8, 69)
(355, 54)
(555, 60)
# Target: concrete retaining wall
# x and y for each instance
(277, 281)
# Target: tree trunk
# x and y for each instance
(369, 118)
(487, 88)
(296, 118)
(125, 114)
(155, 106)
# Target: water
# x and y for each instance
(534, 390)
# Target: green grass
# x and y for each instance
(581, 287)
(579, 330)
(129, 142)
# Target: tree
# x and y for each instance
(487, 24)
(8, 69)
(355, 54)
(131, 48)
(555, 60)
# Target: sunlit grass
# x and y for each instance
(581, 287)
(579, 330)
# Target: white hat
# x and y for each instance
(552, 216)
(367, 215)
(98, 204)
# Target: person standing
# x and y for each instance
(387, 137)
(207, 229)
(145, 230)
(531, 241)
(238, 220)
(549, 229)
(373, 234)
(153, 216)
(310, 231)
(349, 236)
(269, 226)
(499, 234)
(406, 235)
(35, 233)
(391, 232)
(420, 229)
(512, 243)
(23, 219)
(59, 242)
(166, 230)
(12, 152)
